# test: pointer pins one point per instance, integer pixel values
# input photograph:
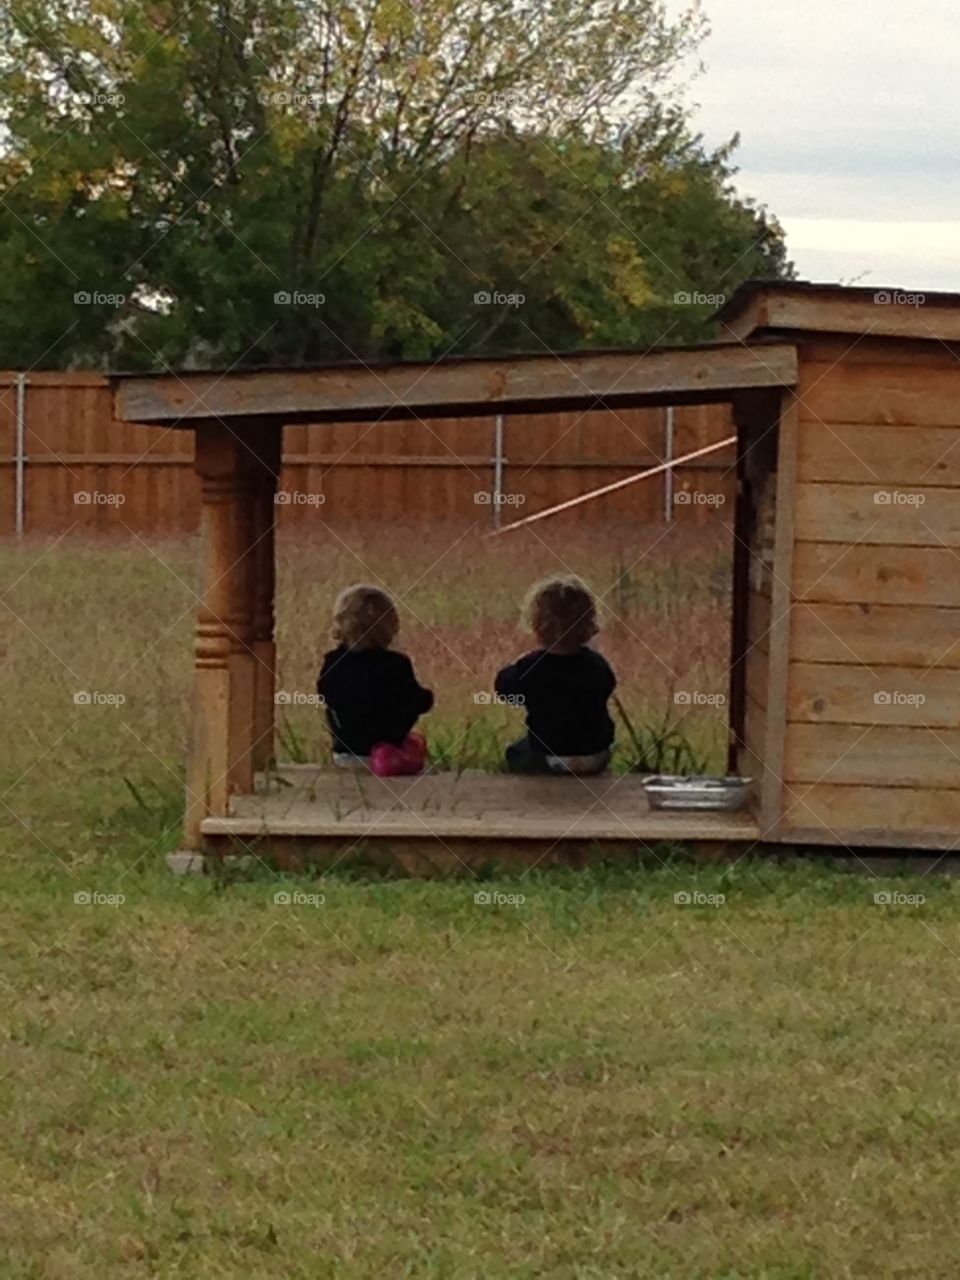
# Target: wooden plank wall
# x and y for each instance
(873, 744)
(142, 481)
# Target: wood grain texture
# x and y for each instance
(836, 574)
(824, 694)
(898, 817)
(781, 595)
(410, 470)
(468, 805)
(452, 387)
(886, 395)
(785, 308)
(883, 756)
(874, 635)
(877, 515)
(880, 456)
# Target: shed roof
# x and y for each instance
(458, 386)
(790, 307)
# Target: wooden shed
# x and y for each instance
(845, 661)
(851, 711)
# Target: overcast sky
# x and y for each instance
(849, 115)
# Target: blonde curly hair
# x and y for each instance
(364, 617)
(561, 611)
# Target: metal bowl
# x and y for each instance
(673, 791)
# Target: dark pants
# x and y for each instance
(524, 756)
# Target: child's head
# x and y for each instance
(562, 613)
(364, 617)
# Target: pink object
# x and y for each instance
(388, 761)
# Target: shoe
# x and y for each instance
(388, 761)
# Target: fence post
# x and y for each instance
(668, 474)
(497, 467)
(20, 458)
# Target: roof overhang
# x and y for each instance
(788, 309)
(459, 387)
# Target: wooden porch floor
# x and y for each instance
(314, 803)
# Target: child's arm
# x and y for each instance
(507, 683)
(418, 699)
(608, 679)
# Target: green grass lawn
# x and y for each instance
(399, 1081)
(596, 1081)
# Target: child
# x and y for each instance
(372, 697)
(563, 686)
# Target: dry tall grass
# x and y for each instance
(117, 619)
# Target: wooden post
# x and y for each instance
(233, 680)
(208, 768)
(269, 449)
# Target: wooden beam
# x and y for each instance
(450, 388)
(781, 310)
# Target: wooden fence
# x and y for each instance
(66, 465)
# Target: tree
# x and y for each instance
(205, 173)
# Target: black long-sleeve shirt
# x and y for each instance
(565, 698)
(371, 696)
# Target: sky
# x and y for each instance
(849, 116)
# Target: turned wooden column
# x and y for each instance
(211, 742)
(235, 654)
(269, 449)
